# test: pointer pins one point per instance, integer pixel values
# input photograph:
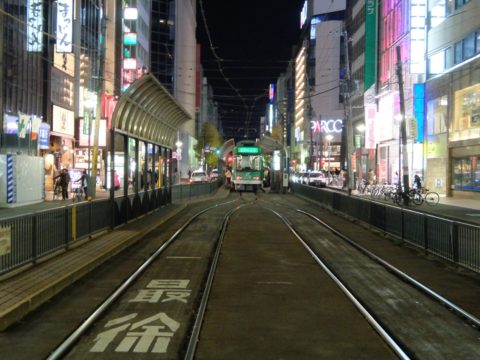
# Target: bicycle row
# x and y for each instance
(398, 195)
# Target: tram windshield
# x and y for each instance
(247, 162)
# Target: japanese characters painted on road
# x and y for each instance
(152, 334)
(164, 291)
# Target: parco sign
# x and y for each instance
(327, 126)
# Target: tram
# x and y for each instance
(247, 167)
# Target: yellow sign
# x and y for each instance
(5, 240)
(413, 128)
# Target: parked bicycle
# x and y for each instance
(419, 196)
(57, 190)
(77, 194)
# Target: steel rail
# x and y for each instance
(73, 338)
(408, 279)
(193, 341)
(396, 348)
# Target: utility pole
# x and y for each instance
(402, 143)
(100, 86)
(348, 118)
(311, 143)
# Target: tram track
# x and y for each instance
(242, 264)
(403, 344)
(63, 349)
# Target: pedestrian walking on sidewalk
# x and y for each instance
(84, 180)
(64, 179)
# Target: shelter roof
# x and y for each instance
(147, 110)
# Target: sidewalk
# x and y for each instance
(444, 200)
(464, 203)
(30, 287)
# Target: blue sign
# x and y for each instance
(419, 109)
(44, 136)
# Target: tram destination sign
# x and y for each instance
(247, 150)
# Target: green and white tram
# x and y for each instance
(247, 167)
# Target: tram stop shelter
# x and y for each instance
(143, 132)
(279, 176)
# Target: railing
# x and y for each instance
(454, 241)
(26, 238)
(186, 192)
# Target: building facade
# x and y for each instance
(319, 104)
(452, 97)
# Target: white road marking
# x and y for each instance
(274, 283)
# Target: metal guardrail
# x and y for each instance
(454, 241)
(26, 238)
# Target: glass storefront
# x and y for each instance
(466, 173)
(466, 117)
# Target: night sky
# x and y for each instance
(253, 42)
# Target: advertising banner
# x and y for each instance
(36, 122)
(64, 26)
(10, 124)
(34, 25)
(63, 121)
(23, 125)
(370, 118)
(44, 136)
(84, 130)
(370, 42)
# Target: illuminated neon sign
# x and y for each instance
(130, 39)
(130, 13)
(247, 150)
(271, 93)
(327, 126)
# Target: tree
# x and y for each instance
(208, 140)
(277, 133)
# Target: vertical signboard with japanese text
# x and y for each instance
(370, 43)
(34, 25)
(370, 118)
(64, 26)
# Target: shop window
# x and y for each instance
(477, 41)
(448, 57)
(437, 115)
(450, 7)
(476, 171)
(469, 46)
(467, 109)
(461, 173)
(466, 173)
(458, 52)
(437, 63)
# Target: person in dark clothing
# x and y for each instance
(84, 183)
(417, 182)
(64, 178)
